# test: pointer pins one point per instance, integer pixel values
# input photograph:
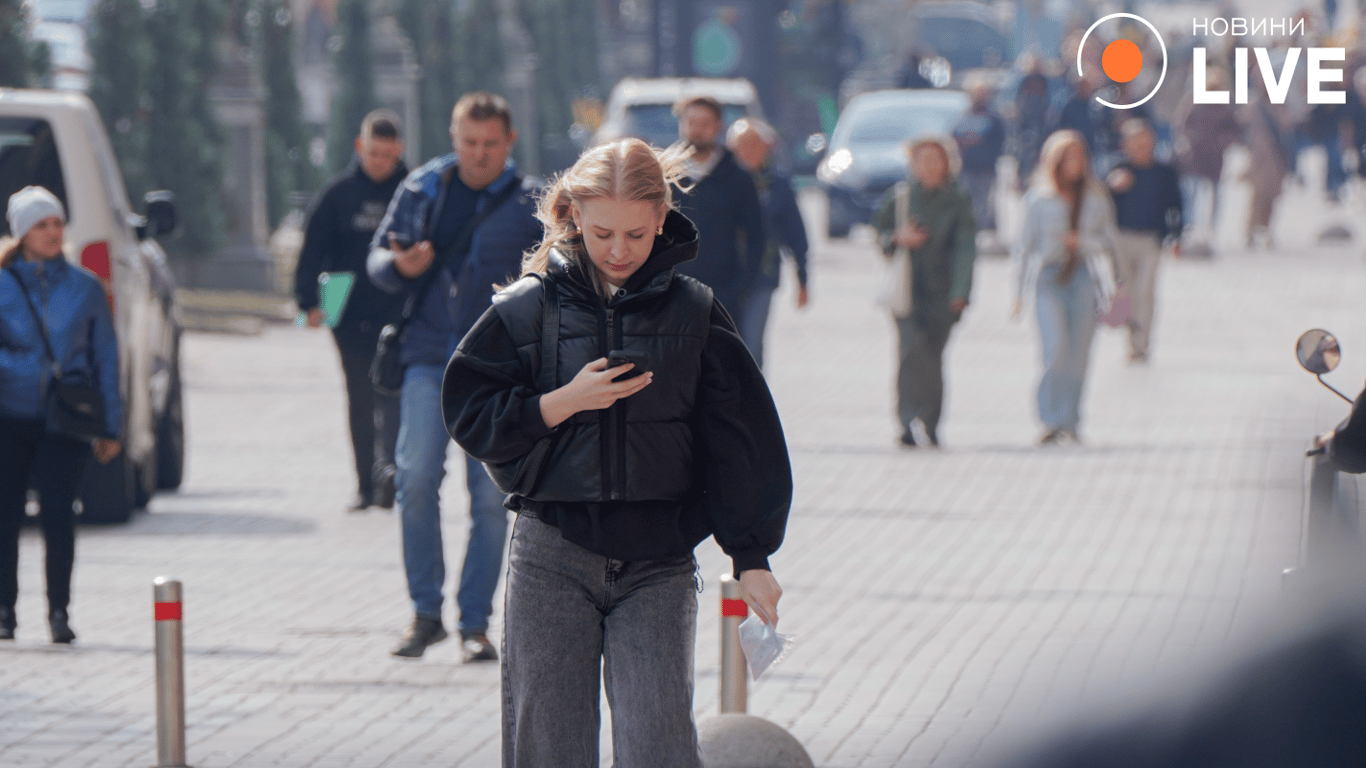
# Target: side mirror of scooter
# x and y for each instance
(1319, 353)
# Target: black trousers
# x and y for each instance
(374, 419)
(55, 465)
(920, 372)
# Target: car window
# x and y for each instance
(895, 123)
(656, 124)
(28, 156)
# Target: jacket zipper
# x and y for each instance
(610, 454)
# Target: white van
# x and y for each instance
(56, 139)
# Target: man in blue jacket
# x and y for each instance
(341, 224)
(427, 227)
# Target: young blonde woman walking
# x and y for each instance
(1064, 256)
(616, 473)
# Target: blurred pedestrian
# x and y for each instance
(1147, 195)
(341, 223)
(616, 474)
(1080, 114)
(720, 198)
(1328, 123)
(1208, 130)
(58, 329)
(930, 217)
(1064, 256)
(981, 138)
(469, 217)
(1033, 113)
(751, 140)
(1267, 139)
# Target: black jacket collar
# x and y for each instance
(676, 246)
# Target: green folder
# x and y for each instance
(334, 288)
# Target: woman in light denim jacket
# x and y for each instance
(1064, 260)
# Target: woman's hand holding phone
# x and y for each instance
(592, 389)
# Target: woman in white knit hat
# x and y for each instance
(57, 349)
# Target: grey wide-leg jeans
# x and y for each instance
(573, 618)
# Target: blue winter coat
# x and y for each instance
(80, 326)
(452, 305)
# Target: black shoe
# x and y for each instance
(359, 504)
(475, 646)
(907, 438)
(1051, 437)
(61, 629)
(424, 632)
(7, 623)
(384, 492)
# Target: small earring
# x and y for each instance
(661, 231)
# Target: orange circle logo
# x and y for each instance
(1121, 61)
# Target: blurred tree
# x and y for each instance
(565, 38)
(355, 68)
(288, 166)
(121, 60)
(186, 145)
(24, 63)
(430, 26)
(479, 40)
(458, 52)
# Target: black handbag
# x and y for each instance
(521, 475)
(73, 405)
(387, 368)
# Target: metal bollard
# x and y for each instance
(734, 683)
(170, 659)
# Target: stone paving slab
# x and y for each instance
(940, 599)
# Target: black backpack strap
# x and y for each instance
(550, 337)
(37, 318)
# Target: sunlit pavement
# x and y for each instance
(940, 599)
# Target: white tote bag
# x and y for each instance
(894, 284)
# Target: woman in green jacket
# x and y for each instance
(935, 226)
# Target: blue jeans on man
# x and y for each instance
(753, 320)
(421, 460)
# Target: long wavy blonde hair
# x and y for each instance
(625, 170)
(1046, 176)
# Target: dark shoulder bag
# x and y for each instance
(387, 369)
(73, 405)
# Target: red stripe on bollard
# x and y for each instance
(734, 609)
(167, 611)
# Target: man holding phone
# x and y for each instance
(341, 223)
(456, 227)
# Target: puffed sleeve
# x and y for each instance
(104, 351)
(487, 399)
(741, 451)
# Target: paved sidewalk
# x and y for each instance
(939, 598)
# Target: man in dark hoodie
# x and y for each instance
(341, 222)
(720, 198)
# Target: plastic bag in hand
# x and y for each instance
(763, 646)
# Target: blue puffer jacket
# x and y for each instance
(80, 326)
(452, 305)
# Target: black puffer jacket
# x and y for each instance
(699, 451)
(640, 448)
